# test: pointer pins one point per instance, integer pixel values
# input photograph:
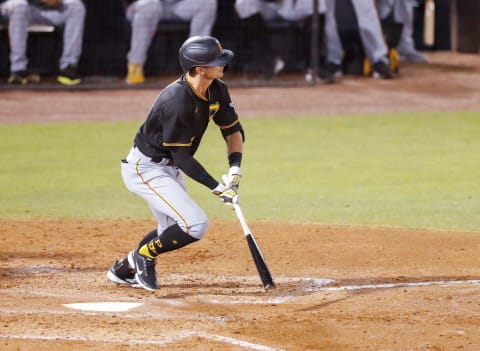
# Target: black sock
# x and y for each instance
(171, 239)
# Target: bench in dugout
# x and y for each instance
(285, 41)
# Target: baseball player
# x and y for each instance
(164, 149)
(144, 16)
(67, 13)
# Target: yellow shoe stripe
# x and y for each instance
(68, 81)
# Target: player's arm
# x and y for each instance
(235, 152)
(192, 168)
(234, 146)
(195, 170)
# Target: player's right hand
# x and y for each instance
(227, 195)
(233, 178)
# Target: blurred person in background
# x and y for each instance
(255, 15)
(371, 35)
(20, 14)
(144, 16)
(256, 41)
(403, 12)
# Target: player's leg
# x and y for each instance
(201, 14)
(162, 187)
(143, 16)
(406, 48)
(123, 272)
(167, 198)
(18, 14)
(332, 37)
(370, 31)
(72, 17)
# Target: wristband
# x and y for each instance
(235, 159)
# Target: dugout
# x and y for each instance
(106, 39)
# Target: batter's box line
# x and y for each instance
(159, 342)
(400, 285)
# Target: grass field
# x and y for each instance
(415, 170)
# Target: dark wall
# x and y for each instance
(468, 25)
(105, 41)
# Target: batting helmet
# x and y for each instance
(203, 51)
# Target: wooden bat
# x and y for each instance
(260, 263)
(429, 23)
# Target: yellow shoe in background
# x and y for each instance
(135, 74)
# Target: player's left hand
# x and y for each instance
(233, 178)
(227, 195)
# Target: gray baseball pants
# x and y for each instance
(369, 28)
(144, 16)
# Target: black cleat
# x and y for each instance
(381, 70)
(329, 73)
(69, 76)
(121, 273)
(145, 270)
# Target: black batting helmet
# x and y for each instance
(203, 51)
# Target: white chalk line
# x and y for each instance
(306, 285)
(401, 285)
(160, 342)
(126, 315)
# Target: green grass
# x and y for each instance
(407, 170)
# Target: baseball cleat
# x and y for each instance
(135, 74)
(122, 274)
(69, 76)
(145, 270)
(23, 77)
(382, 71)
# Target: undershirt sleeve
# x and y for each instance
(192, 167)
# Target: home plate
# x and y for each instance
(104, 306)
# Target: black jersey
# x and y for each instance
(178, 120)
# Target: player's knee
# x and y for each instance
(19, 9)
(198, 228)
(76, 8)
(149, 10)
(209, 6)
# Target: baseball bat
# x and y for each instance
(429, 23)
(260, 263)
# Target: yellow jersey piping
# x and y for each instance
(229, 125)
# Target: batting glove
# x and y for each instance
(227, 195)
(233, 178)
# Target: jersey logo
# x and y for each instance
(213, 109)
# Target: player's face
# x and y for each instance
(213, 72)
